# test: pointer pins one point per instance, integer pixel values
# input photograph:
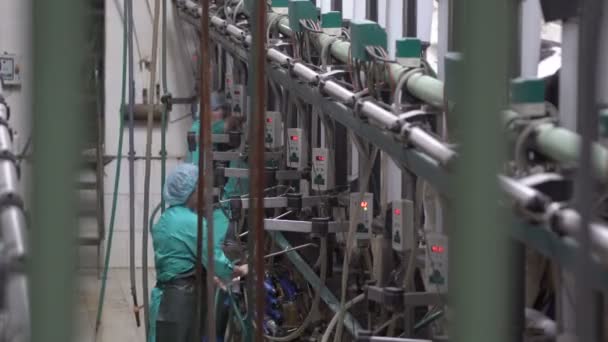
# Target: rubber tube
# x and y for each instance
(116, 180)
(131, 82)
(334, 320)
(149, 128)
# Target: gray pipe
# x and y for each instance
(13, 243)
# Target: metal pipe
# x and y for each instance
(288, 250)
(257, 87)
(339, 92)
(205, 185)
(58, 38)
(13, 248)
(130, 24)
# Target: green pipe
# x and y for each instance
(424, 87)
(560, 144)
(428, 320)
(58, 40)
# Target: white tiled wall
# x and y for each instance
(180, 84)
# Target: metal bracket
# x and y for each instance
(306, 227)
(396, 298)
(366, 336)
(236, 155)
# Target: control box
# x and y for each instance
(436, 262)
(297, 155)
(331, 23)
(301, 10)
(10, 69)
(361, 210)
(322, 169)
(273, 130)
(238, 99)
(403, 225)
(366, 33)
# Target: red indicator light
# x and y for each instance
(269, 120)
(437, 249)
(320, 158)
(295, 138)
(363, 204)
(397, 212)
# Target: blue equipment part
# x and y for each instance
(289, 288)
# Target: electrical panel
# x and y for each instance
(10, 69)
(301, 10)
(364, 207)
(273, 130)
(238, 99)
(297, 156)
(366, 33)
(322, 169)
(403, 225)
(436, 262)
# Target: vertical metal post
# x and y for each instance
(443, 39)
(531, 24)
(205, 180)
(57, 127)
(587, 327)
(336, 5)
(257, 87)
(568, 74)
(478, 251)
(410, 17)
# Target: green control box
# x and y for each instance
(301, 10)
(528, 96)
(331, 22)
(279, 6)
(408, 52)
(366, 33)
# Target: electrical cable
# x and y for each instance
(330, 327)
(106, 266)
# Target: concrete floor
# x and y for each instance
(118, 320)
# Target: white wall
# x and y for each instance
(180, 84)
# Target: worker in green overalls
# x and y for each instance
(173, 299)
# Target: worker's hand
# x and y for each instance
(240, 271)
(219, 283)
